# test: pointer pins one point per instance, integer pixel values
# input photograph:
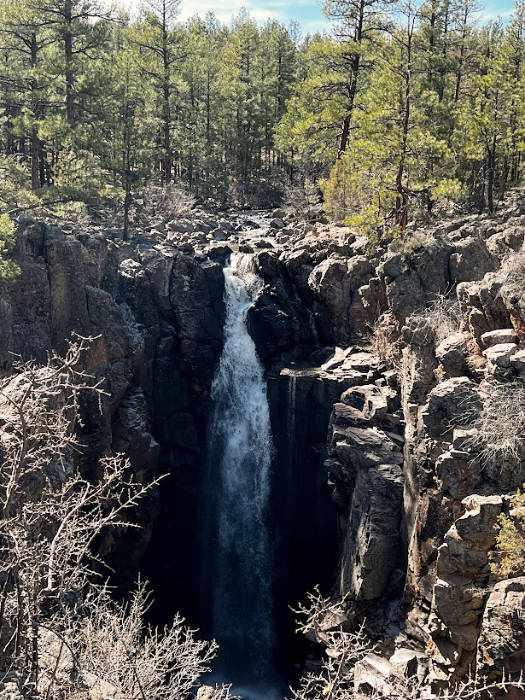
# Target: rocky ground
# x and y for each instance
(407, 362)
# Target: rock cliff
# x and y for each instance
(397, 390)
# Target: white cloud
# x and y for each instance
(223, 9)
(490, 15)
(260, 10)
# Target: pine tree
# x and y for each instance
(161, 53)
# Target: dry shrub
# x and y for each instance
(501, 424)
(114, 649)
(386, 342)
(159, 204)
(324, 619)
(438, 321)
(50, 518)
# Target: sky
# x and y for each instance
(307, 12)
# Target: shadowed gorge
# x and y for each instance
(300, 449)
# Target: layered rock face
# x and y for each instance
(458, 374)
(390, 374)
(156, 318)
(423, 451)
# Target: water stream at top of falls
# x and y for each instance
(238, 548)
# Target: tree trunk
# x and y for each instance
(355, 65)
(491, 175)
(128, 198)
(36, 181)
(68, 60)
(401, 210)
(167, 156)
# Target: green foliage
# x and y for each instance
(407, 107)
(8, 269)
(94, 109)
(509, 557)
(432, 104)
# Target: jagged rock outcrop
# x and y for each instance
(398, 438)
(335, 282)
(459, 592)
(156, 317)
(365, 465)
(446, 521)
(501, 643)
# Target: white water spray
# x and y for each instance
(291, 419)
(239, 453)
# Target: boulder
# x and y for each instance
(498, 337)
(507, 241)
(408, 663)
(371, 400)
(218, 252)
(220, 234)
(452, 403)
(470, 260)
(299, 265)
(457, 474)
(452, 355)
(500, 356)
(371, 677)
(517, 362)
(181, 226)
(501, 644)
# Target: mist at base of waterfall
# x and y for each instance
(258, 692)
(271, 689)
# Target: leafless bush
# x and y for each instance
(385, 340)
(324, 619)
(321, 619)
(159, 204)
(51, 517)
(113, 647)
(216, 692)
(439, 320)
(500, 426)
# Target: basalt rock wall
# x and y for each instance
(381, 365)
(156, 320)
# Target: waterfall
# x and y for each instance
(291, 420)
(239, 554)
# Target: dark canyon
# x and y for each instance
(354, 462)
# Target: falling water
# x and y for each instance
(239, 453)
(291, 420)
